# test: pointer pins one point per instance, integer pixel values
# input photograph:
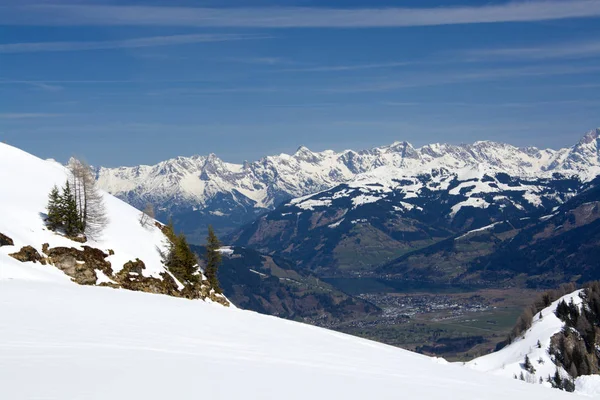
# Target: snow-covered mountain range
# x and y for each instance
(210, 190)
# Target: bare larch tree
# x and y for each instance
(147, 216)
(90, 203)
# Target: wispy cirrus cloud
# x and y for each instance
(297, 17)
(582, 49)
(262, 60)
(519, 104)
(458, 77)
(349, 67)
(152, 41)
(41, 85)
(28, 115)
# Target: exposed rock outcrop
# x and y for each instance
(203, 290)
(5, 240)
(78, 239)
(28, 254)
(80, 265)
(131, 278)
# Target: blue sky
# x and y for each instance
(124, 83)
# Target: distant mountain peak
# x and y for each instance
(589, 137)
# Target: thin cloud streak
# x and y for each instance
(296, 17)
(560, 51)
(463, 77)
(356, 67)
(28, 115)
(44, 86)
(261, 60)
(153, 41)
(533, 104)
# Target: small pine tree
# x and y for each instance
(70, 215)
(54, 220)
(527, 365)
(556, 381)
(213, 259)
(186, 258)
(180, 259)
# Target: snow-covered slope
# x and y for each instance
(25, 182)
(74, 342)
(222, 189)
(535, 342)
(475, 183)
(508, 362)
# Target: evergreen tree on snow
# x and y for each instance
(54, 220)
(70, 215)
(213, 259)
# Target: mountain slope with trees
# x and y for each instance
(555, 343)
(83, 235)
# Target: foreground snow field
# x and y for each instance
(74, 342)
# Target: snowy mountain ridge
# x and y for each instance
(218, 188)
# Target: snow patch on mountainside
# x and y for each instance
(470, 202)
(484, 228)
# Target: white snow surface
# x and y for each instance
(26, 182)
(72, 342)
(588, 385)
(508, 362)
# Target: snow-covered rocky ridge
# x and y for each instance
(112, 259)
(535, 344)
(478, 186)
(219, 190)
(75, 342)
(386, 213)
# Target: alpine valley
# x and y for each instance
(436, 248)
